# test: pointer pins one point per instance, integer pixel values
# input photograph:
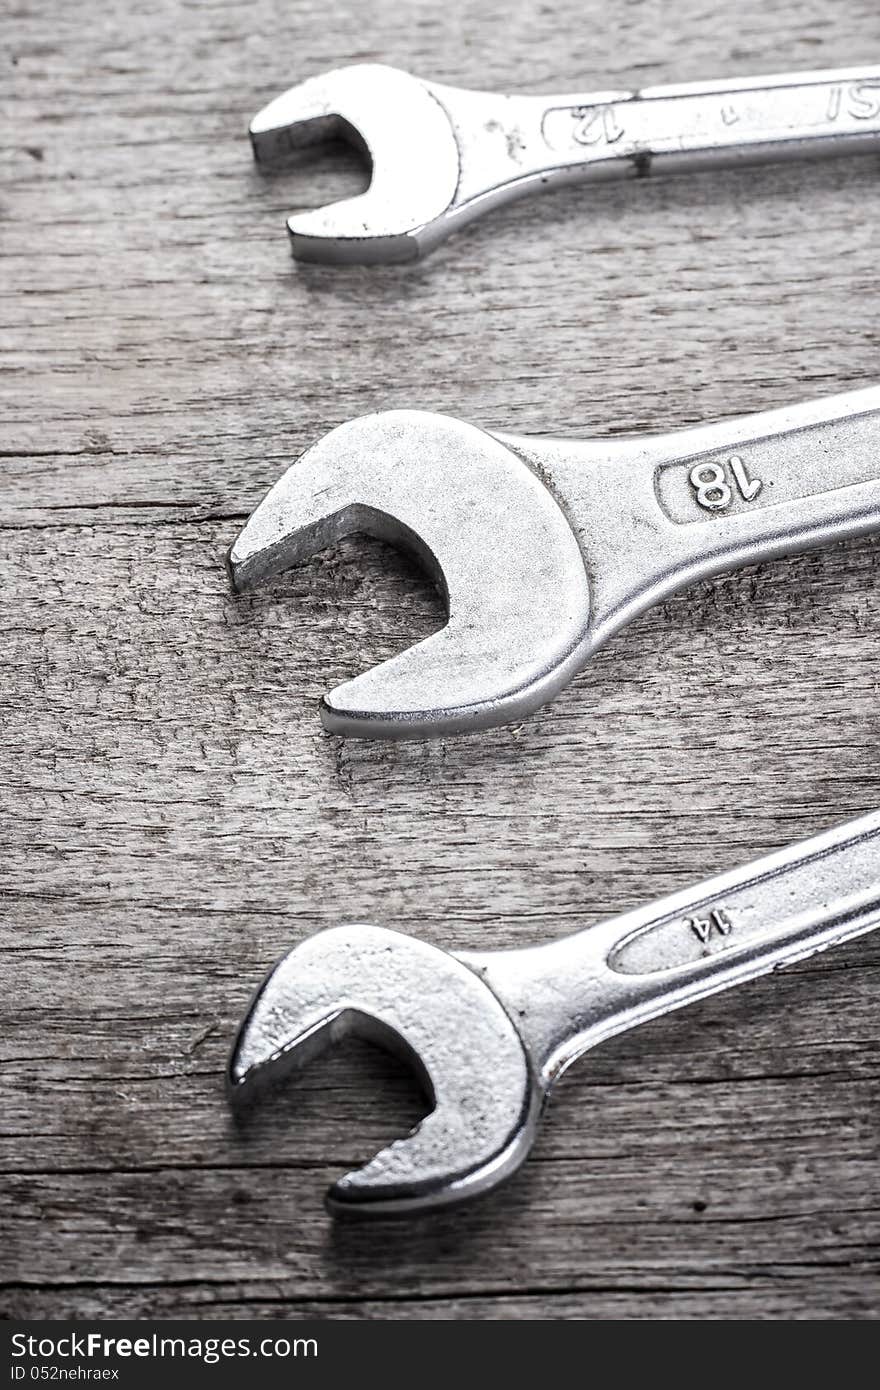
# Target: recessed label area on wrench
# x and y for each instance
(678, 941)
(754, 475)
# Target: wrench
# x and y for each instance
(442, 155)
(543, 548)
(490, 1032)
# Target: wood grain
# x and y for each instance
(176, 816)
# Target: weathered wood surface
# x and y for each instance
(175, 815)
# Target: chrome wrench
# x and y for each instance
(441, 155)
(490, 1032)
(543, 548)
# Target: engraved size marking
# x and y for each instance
(718, 921)
(860, 101)
(714, 492)
(595, 124)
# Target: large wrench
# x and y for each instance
(491, 1031)
(441, 155)
(543, 548)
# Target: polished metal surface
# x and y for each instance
(491, 1031)
(441, 155)
(544, 548)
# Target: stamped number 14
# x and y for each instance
(714, 483)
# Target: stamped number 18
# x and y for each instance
(714, 484)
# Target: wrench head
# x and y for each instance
(406, 135)
(427, 1006)
(492, 535)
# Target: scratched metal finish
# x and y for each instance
(424, 1003)
(492, 536)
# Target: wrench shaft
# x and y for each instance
(509, 144)
(707, 123)
(657, 513)
(570, 995)
(776, 484)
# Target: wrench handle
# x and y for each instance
(766, 485)
(656, 513)
(572, 994)
(511, 145)
(755, 119)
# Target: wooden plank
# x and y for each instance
(176, 815)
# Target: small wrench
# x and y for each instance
(543, 548)
(442, 155)
(490, 1032)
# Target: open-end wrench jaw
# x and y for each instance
(490, 533)
(429, 1008)
(490, 1032)
(406, 136)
